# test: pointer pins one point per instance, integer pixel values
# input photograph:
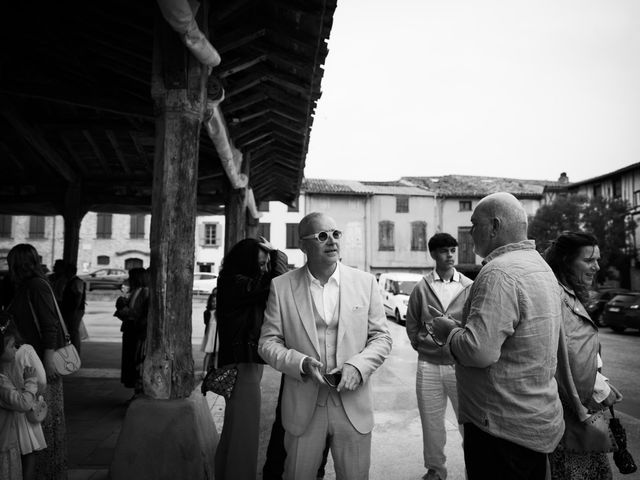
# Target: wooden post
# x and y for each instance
(179, 91)
(169, 433)
(235, 218)
(73, 213)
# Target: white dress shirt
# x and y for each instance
(325, 297)
(446, 290)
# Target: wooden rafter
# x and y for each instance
(74, 154)
(35, 138)
(141, 153)
(241, 64)
(96, 150)
(238, 39)
(116, 148)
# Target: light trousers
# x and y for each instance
(350, 449)
(434, 384)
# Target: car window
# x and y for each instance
(406, 287)
(626, 298)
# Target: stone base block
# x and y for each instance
(166, 439)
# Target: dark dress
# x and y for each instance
(51, 463)
(133, 313)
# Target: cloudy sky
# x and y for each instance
(508, 88)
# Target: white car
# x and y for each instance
(204, 282)
(395, 288)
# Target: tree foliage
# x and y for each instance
(605, 218)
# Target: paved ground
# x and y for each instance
(95, 407)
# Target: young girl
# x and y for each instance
(30, 434)
(12, 401)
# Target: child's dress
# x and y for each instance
(30, 434)
(12, 401)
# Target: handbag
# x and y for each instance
(222, 380)
(38, 412)
(622, 457)
(65, 359)
(590, 436)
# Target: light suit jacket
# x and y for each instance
(289, 334)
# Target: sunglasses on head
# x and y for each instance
(324, 235)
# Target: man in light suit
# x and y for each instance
(322, 319)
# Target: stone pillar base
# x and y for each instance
(166, 439)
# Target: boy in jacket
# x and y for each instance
(446, 290)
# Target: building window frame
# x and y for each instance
(36, 226)
(466, 254)
(210, 234)
(137, 226)
(264, 230)
(402, 203)
(104, 225)
(419, 236)
(465, 206)
(293, 236)
(386, 236)
(6, 226)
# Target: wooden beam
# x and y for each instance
(116, 148)
(96, 151)
(103, 104)
(36, 139)
(235, 40)
(245, 102)
(141, 152)
(240, 64)
(74, 155)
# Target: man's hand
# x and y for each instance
(351, 378)
(311, 366)
(265, 244)
(442, 326)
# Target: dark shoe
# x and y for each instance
(431, 475)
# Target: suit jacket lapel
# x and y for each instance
(344, 304)
(303, 301)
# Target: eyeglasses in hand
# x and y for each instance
(324, 235)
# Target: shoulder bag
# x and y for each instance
(38, 412)
(219, 380)
(591, 436)
(66, 359)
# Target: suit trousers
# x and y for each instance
(237, 452)
(434, 384)
(350, 449)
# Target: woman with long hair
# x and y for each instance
(243, 288)
(583, 390)
(36, 316)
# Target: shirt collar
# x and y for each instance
(523, 245)
(335, 277)
(454, 278)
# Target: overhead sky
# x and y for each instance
(507, 88)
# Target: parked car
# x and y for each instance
(105, 278)
(204, 282)
(598, 299)
(623, 311)
(395, 289)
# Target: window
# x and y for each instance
(137, 226)
(103, 260)
(130, 263)
(293, 240)
(5, 226)
(636, 198)
(103, 229)
(211, 237)
(385, 236)
(617, 188)
(464, 206)
(264, 230)
(263, 206)
(36, 226)
(419, 236)
(294, 206)
(597, 190)
(402, 204)
(465, 246)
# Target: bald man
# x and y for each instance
(321, 320)
(505, 351)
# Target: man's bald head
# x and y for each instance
(505, 219)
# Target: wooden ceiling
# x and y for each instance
(76, 108)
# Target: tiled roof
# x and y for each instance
(470, 186)
(354, 187)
